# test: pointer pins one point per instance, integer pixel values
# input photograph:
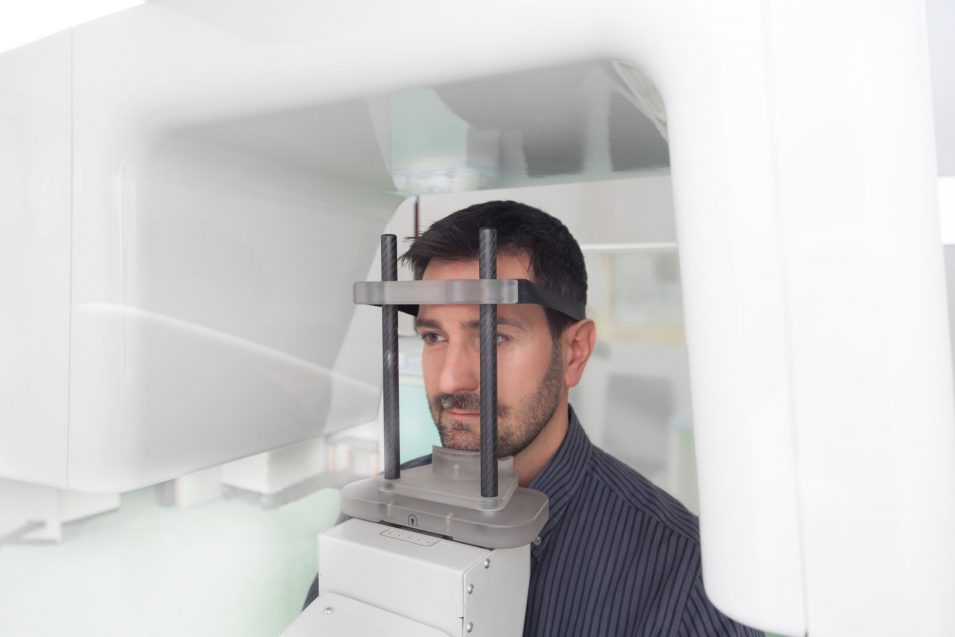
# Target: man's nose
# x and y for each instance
(460, 369)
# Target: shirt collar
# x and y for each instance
(561, 476)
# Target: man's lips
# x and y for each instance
(463, 414)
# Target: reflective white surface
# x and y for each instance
(21, 23)
(35, 222)
(870, 374)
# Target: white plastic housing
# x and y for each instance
(442, 584)
(171, 303)
(333, 615)
(194, 184)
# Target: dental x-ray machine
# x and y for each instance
(189, 189)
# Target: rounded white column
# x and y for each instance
(804, 180)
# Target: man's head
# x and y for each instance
(541, 353)
(554, 258)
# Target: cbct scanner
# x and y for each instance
(189, 189)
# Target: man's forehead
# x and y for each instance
(509, 266)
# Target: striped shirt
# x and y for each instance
(618, 555)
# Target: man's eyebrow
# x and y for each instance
(501, 321)
(428, 323)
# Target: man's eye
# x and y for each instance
(502, 338)
(431, 338)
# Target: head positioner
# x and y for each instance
(488, 292)
(442, 498)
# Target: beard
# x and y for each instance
(517, 426)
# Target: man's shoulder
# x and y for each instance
(666, 563)
(634, 491)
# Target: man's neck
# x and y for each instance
(531, 460)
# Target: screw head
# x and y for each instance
(487, 563)
(470, 588)
(470, 626)
(329, 610)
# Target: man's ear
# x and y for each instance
(578, 342)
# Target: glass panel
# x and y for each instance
(634, 399)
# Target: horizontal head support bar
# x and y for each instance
(408, 295)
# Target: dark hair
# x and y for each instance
(556, 262)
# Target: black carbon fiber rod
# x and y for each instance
(487, 262)
(389, 351)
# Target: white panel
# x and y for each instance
(426, 578)
(496, 599)
(871, 371)
(357, 561)
(720, 130)
(34, 259)
(213, 266)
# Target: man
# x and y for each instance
(618, 556)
